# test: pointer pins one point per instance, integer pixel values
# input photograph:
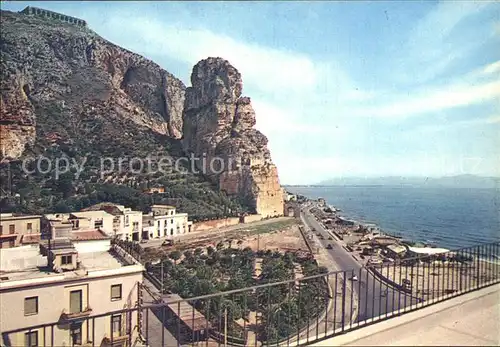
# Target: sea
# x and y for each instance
(451, 218)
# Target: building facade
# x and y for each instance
(114, 220)
(127, 223)
(64, 224)
(164, 222)
(67, 296)
(16, 230)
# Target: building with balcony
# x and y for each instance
(68, 289)
(18, 229)
(165, 222)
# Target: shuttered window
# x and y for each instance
(117, 324)
(75, 301)
(66, 259)
(31, 305)
(76, 333)
(116, 292)
(31, 339)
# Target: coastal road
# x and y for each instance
(375, 298)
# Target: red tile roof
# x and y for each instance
(31, 238)
(88, 235)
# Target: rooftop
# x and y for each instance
(163, 206)
(10, 216)
(92, 264)
(428, 250)
(88, 235)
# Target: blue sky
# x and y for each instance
(340, 88)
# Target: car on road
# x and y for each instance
(354, 278)
(330, 238)
(329, 246)
(313, 229)
(321, 237)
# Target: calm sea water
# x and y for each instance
(446, 217)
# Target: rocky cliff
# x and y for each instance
(219, 123)
(66, 91)
(49, 64)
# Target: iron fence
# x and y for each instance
(292, 313)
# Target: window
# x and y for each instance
(12, 229)
(171, 231)
(29, 227)
(98, 224)
(116, 292)
(171, 213)
(126, 221)
(12, 243)
(76, 333)
(75, 301)
(31, 306)
(172, 221)
(66, 260)
(1, 230)
(31, 339)
(117, 324)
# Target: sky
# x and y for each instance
(341, 89)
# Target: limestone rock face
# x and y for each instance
(219, 125)
(66, 72)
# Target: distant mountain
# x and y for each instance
(459, 181)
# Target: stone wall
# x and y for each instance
(252, 218)
(40, 12)
(214, 224)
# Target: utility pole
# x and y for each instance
(225, 327)
(161, 276)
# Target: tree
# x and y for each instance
(175, 255)
(198, 252)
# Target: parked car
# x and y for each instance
(330, 238)
(354, 278)
(329, 246)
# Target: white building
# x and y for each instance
(64, 298)
(164, 222)
(63, 224)
(126, 223)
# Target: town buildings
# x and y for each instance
(58, 286)
(127, 223)
(114, 220)
(164, 222)
(17, 229)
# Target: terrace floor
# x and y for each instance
(468, 320)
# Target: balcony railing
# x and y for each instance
(299, 311)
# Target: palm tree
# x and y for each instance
(175, 255)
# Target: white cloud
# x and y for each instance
(299, 100)
(433, 100)
(436, 41)
(491, 68)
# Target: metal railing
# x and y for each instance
(292, 313)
